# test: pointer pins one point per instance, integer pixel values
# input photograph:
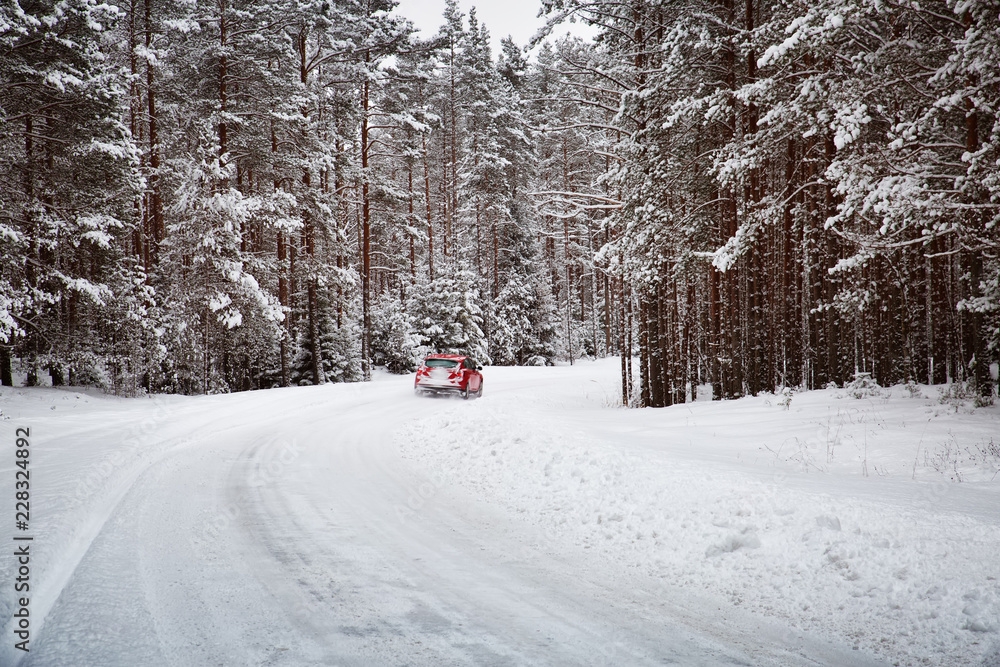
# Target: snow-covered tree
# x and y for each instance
(67, 179)
(338, 347)
(524, 316)
(395, 344)
(787, 210)
(447, 316)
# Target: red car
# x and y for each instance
(444, 373)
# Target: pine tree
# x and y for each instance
(67, 177)
(448, 318)
(785, 213)
(338, 346)
(395, 344)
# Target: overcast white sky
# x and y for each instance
(517, 18)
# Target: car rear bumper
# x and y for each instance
(438, 387)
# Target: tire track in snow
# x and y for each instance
(90, 516)
(434, 585)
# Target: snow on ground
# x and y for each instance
(541, 524)
(840, 515)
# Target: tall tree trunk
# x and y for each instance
(283, 300)
(645, 350)
(223, 83)
(427, 200)
(410, 219)
(282, 252)
(654, 338)
(715, 346)
(691, 365)
(135, 102)
(366, 239)
(663, 325)
(788, 331)
(30, 271)
(156, 202)
(312, 306)
(977, 355)
(624, 351)
(6, 374)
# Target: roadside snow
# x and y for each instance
(839, 515)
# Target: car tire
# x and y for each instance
(465, 392)
(479, 392)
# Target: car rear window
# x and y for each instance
(440, 363)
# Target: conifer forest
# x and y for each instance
(204, 196)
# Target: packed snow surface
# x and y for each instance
(541, 524)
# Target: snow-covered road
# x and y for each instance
(360, 525)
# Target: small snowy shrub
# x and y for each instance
(956, 391)
(962, 395)
(786, 397)
(88, 371)
(863, 386)
(913, 389)
(981, 460)
(986, 456)
(983, 401)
